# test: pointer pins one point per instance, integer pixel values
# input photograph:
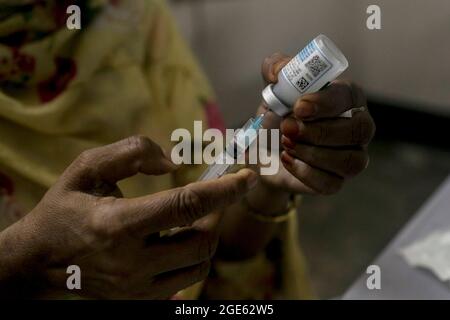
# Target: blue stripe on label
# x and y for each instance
(307, 51)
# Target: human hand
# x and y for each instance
(321, 149)
(83, 220)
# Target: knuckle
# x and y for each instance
(355, 162)
(370, 129)
(269, 63)
(345, 90)
(363, 130)
(232, 191)
(103, 227)
(359, 96)
(322, 135)
(344, 85)
(86, 158)
(351, 92)
(139, 143)
(190, 205)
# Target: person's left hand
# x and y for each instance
(321, 150)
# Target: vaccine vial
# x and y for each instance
(319, 63)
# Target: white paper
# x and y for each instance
(431, 252)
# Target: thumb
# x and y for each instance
(182, 206)
(272, 65)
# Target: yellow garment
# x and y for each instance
(63, 91)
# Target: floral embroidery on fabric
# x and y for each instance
(65, 71)
(16, 68)
(31, 54)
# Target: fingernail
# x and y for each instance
(252, 180)
(305, 109)
(287, 159)
(290, 127)
(286, 142)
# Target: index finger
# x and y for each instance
(330, 102)
(117, 161)
(180, 206)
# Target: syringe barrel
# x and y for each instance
(235, 150)
(243, 139)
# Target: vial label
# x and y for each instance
(307, 67)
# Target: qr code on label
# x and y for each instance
(302, 83)
(316, 65)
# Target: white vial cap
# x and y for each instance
(273, 102)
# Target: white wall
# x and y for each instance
(407, 61)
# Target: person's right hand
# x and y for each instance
(83, 220)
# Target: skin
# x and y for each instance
(84, 220)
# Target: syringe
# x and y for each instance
(236, 150)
